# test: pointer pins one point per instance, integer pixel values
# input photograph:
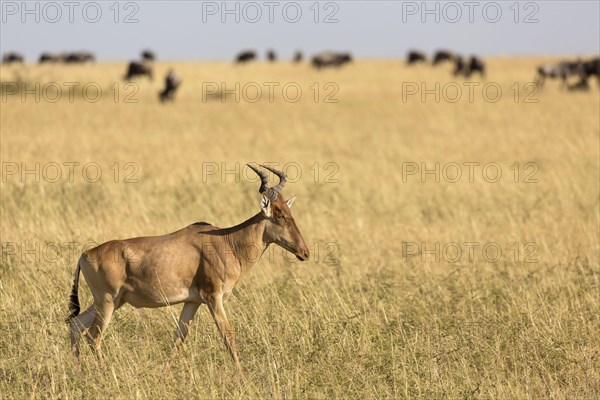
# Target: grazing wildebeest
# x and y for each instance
(199, 264)
(172, 82)
(298, 57)
(51, 58)
(245, 56)
(441, 56)
(582, 85)
(330, 59)
(12, 57)
(79, 57)
(415, 56)
(549, 70)
(148, 55)
(592, 67)
(561, 70)
(137, 68)
(475, 64)
(271, 56)
(459, 65)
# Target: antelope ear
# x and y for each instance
(290, 201)
(265, 206)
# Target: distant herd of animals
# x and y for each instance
(463, 66)
(144, 66)
(580, 69)
(320, 60)
(562, 70)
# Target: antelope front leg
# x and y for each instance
(218, 313)
(183, 325)
(183, 328)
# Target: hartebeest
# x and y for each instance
(199, 264)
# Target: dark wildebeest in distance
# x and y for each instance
(475, 64)
(561, 70)
(136, 68)
(172, 82)
(441, 56)
(245, 56)
(12, 57)
(79, 57)
(298, 57)
(468, 67)
(591, 68)
(415, 56)
(51, 58)
(271, 56)
(331, 59)
(581, 86)
(148, 55)
(459, 65)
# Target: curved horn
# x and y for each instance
(264, 179)
(280, 174)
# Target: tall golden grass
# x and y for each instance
(377, 312)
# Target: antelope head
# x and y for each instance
(281, 227)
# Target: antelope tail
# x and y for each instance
(74, 297)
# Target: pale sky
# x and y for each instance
(205, 30)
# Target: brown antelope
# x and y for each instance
(197, 264)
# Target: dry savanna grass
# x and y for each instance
(399, 300)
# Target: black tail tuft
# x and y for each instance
(74, 297)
